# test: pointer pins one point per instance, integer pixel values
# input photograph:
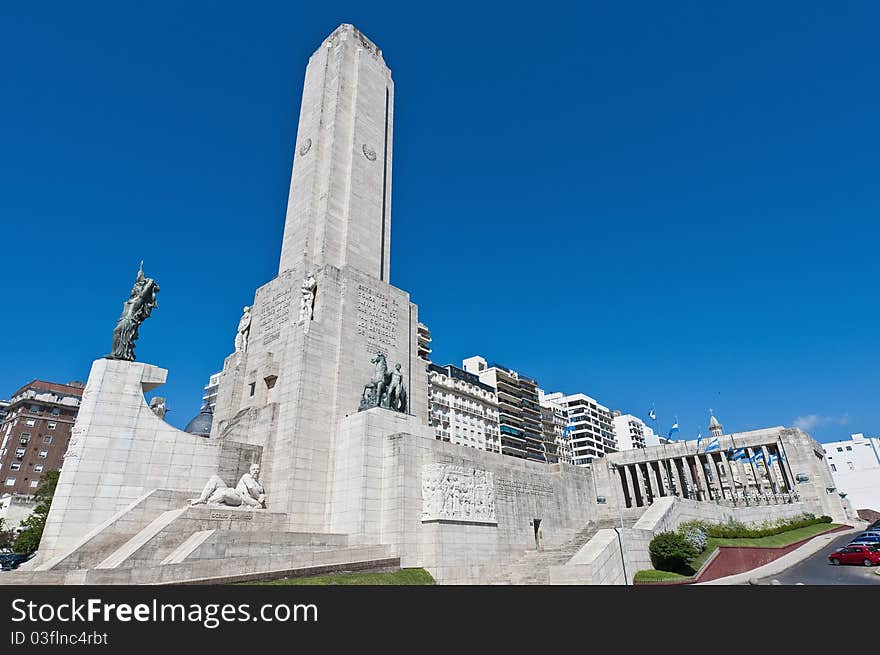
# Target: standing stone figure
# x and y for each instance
(244, 330)
(307, 300)
(157, 404)
(247, 492)
(395, 398)
(135, 311)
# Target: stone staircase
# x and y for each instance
(533, 566)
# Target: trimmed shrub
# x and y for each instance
(737, 530)
(671, 551)
(695, 534)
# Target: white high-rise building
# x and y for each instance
(855, 467)
(210, 395)
(554, 424)
(629, 431)
(461, 409)
(592, 433)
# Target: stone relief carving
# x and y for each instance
(244, 330)
(457, 493)
(305, 147)
(307, 299)
(157, 404)
(248, 492)
(369, 152)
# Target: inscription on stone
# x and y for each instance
(377, 319)
(232, 516)
(506, 488)
(273, 313)
(457, 493)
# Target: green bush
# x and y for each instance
(738, 530)
(671, 551)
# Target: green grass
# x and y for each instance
(774, 541)
(651, 575)
(401, 577)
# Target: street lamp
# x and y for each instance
(614, 484)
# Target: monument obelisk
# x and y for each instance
(315, 327)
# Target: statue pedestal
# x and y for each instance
(358, 473)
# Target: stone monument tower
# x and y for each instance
(314, 329)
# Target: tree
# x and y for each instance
(6, 536)
(28, 539)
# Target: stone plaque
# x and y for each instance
(273, 313)
(377, 319)
(507, 488)
(457, 493)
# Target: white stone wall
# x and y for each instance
(119, 450)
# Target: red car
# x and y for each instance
(865, 555)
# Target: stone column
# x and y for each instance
(731, 481)
(657, 466)
(701, 476)
(645, 485)
(771, 475)
(783, 468)
(755, 472)
(692, 492)
(626, 494)
(633, 482)
(743, 478)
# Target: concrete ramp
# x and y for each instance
(134, 544)
(180, 553)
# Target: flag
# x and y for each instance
(738, 454)
(699, 440)
(673, 429)
(758, 456)
(713, 445)
(651, 414)
(568, 429)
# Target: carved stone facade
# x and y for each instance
(457, 493)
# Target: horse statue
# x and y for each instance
(372, 395)
(386, 389)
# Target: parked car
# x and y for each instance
(867, 539)
(865, 555)
(10, 560)
(869, 533)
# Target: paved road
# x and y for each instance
(817, 570)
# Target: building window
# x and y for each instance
(852, 467)
(52, 425)
(56, 411)
(43, 454)
(849, 447)
(19, 452)
(47, 438)
(10, 482)
(38, 468)
(15, 466)
(833, 468)
(34, 483)
(30, 422)
(839, 449)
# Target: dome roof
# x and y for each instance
(201, 425)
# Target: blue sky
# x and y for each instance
(667, 203)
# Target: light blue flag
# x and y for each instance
(738, 454)
(699, 440)
(651, 414)
(713, 445)
(673, 429)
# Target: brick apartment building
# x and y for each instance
(35, 432)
